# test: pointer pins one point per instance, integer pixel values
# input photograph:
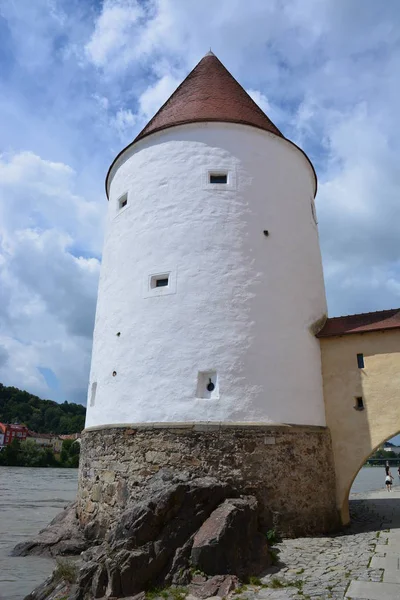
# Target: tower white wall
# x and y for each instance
(239, 304)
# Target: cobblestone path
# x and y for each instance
(362, 562)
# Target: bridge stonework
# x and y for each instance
(356, 433)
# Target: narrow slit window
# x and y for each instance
(93, 393)
(218, 178)
(360, 361)
(123, 201)
(359, 403)
(314, 212)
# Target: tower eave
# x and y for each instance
(142, 136)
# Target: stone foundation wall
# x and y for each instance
(289, 468)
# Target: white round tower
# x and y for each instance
(211, 279)
(211, 291)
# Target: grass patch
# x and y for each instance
(154, 593)
(171, 593)
(178, 593)
(194, 572)
(272, 537)
(66, 569)
(255, 581)
(274, 554)
(240, 589)
(276, 583)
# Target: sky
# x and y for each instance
(80, 78)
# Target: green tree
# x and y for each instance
(10, 456)
(69, 455)
(32, 455)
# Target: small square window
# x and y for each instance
(218, 178)
(360, 361)
(159, 281)
(123, 201)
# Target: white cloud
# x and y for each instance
(114, 31)
(48, 290)
(155, 96)
(124, 121)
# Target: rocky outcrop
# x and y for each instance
(180, 525)
(62, 537)
(229, 541)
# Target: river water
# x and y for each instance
(31, 498)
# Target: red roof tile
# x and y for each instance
(209, 93)
(361, 323)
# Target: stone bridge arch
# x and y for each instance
(346, 497)
(358, 430)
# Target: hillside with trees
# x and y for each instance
(44, 416)
(29, 454)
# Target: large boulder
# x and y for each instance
(229, 541)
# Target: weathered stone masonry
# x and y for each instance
(289, 468)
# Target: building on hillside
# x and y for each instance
(56, 443)
(212, 350)
(41, 439)
(11, 431)
(70, 436)
(76, 437)
(390, 448)
(46, 440)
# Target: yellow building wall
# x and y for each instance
(356, 434)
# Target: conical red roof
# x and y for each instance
(209, 93)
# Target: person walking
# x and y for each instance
(388, 479)
(398, 470)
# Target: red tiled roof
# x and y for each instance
(70, 436)
(209, 93)
(361, 323)
(47, 436)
